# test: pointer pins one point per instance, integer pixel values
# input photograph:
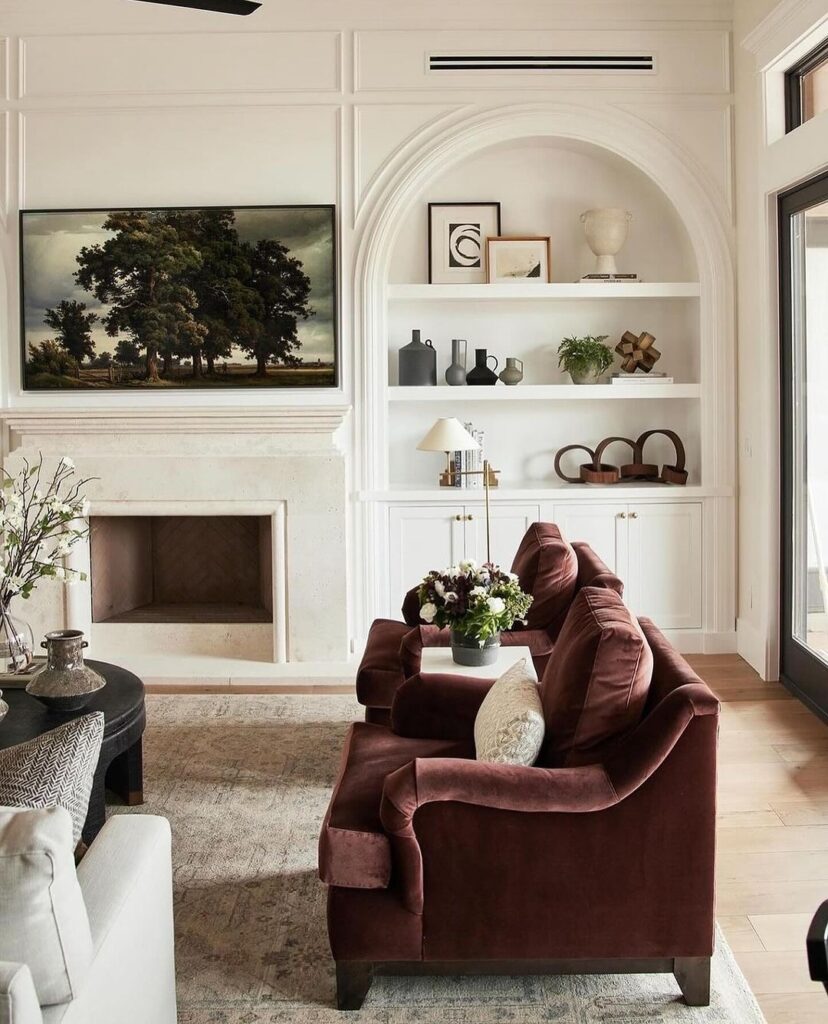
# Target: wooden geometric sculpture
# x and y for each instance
(637, 350)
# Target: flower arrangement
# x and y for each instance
(41, 521)
(475, 601)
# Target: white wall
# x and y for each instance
(118, 102)
(768, 37)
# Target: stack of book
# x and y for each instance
(468, 466)
(598, 278)
(641, 378)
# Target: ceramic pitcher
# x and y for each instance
(512, 373)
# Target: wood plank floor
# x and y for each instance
(772, 867)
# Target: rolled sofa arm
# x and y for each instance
(18, 999)
(439, 707)
(504, 787)
(126, 880)
(534, 790)
(593, 572)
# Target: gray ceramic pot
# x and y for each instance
(466, 650)
(65, 683)
(418, 363)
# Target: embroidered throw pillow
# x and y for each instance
(509, 726)
(43, 919)
(55, 769)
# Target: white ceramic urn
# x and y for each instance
(606, 231)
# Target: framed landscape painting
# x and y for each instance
(179, 297)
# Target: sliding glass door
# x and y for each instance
(803, 236)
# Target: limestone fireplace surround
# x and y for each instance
(283, 465)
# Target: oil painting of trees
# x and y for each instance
(179, 298)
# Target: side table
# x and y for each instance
(120, 767)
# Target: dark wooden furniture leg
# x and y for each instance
(353, 980)
(693, 975)
(125, 775)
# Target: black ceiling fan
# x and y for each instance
(220, 6)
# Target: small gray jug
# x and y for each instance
(418, 363)
(511, 372)
(456, 373)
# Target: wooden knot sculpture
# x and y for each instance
(637, 350)
(596, 471)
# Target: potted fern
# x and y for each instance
(585, 359)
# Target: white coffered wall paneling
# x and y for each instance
(108, 102)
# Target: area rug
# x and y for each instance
(245, 781)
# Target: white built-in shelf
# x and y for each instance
(548, 490)
(543, 392)
(558, 290)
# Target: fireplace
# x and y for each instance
(181, 569)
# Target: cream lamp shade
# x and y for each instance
(448, 435)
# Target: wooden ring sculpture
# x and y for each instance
(574, 448)
(635, 470)
(676, 474)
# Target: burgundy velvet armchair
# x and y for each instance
(437, 863)
(547, 569)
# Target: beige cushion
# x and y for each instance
(43, 921)
(509, 726)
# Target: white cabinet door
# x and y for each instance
(421, 538)
(508, 524)
(664, 574)
(603, 527)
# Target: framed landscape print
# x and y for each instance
(179, 297)
(526, 259)
(457, 234)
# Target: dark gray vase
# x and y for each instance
(456, 373)
(65, 683)
(466, 650)
(418, 363)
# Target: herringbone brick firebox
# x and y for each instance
(207, 569)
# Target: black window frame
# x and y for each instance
(801, 671)
(793, 84)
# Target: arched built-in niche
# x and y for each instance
(683, 204)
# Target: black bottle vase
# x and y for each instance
(480, 372)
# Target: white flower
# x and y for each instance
(478, 592)
(468, 565)
(513, 576)
(451, 597)
(60, 573)
(67, 463)
(428, 611)
(496, 605)
(439, 588)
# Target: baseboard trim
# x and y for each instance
(698, 641)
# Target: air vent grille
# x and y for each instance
(492, 62)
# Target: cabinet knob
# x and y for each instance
(622, 515)
(458, 518)
(470, 517)
(633, 515)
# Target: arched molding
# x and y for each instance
(670, 166)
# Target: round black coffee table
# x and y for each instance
(120, 767)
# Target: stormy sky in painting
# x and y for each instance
(52, 240)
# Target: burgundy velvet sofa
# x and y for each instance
(547, 570)
(603, 862)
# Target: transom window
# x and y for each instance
(806, 87)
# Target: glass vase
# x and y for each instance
(16, 642)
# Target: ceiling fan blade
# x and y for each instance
(220, 6)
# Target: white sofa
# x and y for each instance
(126, 880)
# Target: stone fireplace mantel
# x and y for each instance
(284, 463)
